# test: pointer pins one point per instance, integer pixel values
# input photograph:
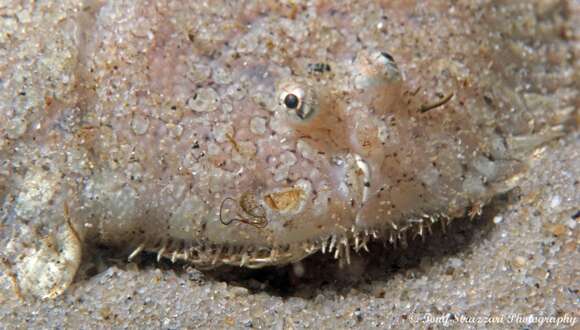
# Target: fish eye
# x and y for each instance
(375, 68)
(291, 101)
(297, 100)
(384, 59)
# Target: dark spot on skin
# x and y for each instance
(318, 68)
(488, 100)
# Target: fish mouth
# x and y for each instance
(284, 222)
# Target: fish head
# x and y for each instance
(321, 144)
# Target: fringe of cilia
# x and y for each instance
(339, 245)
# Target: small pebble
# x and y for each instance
(455, 263)
(557, 229)
(140, 124)
(229, 321)
(238, 291)
(132, 267)
(519, 262)
(105, 312)
(358, 315)
(555, 202)
(15, 128)
(221, 76)
(248, 323)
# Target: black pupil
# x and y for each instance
(291, 101)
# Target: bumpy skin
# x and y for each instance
(177, 136)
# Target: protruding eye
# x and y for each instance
(375, 68)
(297, 100)
(291, 101)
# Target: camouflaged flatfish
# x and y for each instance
(256, 134)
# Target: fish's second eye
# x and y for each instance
(375, 69)
(291, 101)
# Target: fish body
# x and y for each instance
(256, 135)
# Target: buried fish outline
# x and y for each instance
(260, 166)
